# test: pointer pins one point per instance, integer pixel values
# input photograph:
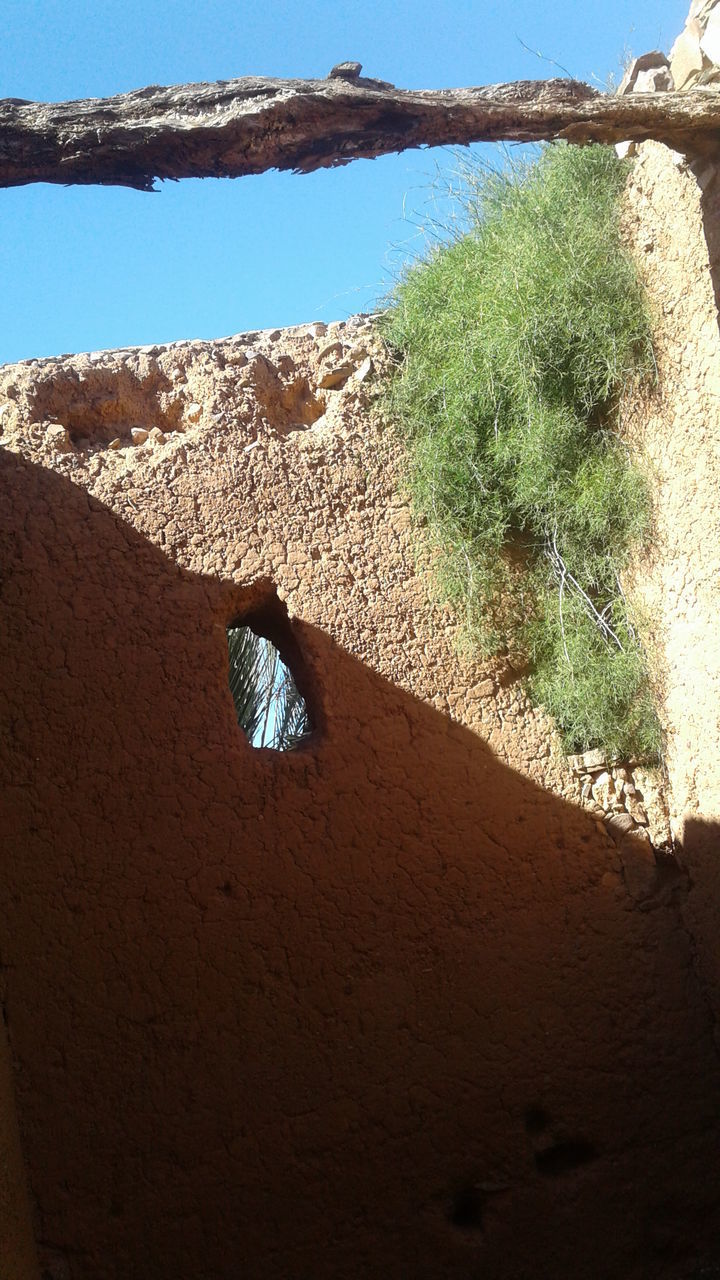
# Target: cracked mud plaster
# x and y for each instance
(286, 1015)
(18, 1259)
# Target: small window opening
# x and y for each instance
(270, 708)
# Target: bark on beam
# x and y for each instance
(238, 127)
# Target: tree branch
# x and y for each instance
(238, 127)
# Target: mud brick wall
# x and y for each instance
(390, 1005)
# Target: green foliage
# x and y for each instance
(517, 338)
(270, 708)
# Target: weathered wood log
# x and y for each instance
(238, 127)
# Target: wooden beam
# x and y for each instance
(238, 127)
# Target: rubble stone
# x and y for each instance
(646, 64)
(58, 437)
(589, 762)
(603, 790)
(686, 59)
(619, 825)
(710, 40)
(658, 80)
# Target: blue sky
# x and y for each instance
(86, 268)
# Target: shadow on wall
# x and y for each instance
(700, 842)
(375, 1007)
(699, 854)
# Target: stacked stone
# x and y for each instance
(625, 798)
(695, 55)
(650, 73)
(694, 60)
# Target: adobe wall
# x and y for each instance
(17, 1245)
(673, 221)
(391, 1005)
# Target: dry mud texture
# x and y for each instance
(673, 223)
(18, 1259)
(390, 1005)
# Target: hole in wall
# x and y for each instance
(536, 1119)
(466, 1207)
(475, 1205)
(100, 404)
(265, 680)
(564, 1157)
(283, 397)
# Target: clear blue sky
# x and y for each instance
(85, 268)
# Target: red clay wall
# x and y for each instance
(381, 1007)
(17, 1246)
